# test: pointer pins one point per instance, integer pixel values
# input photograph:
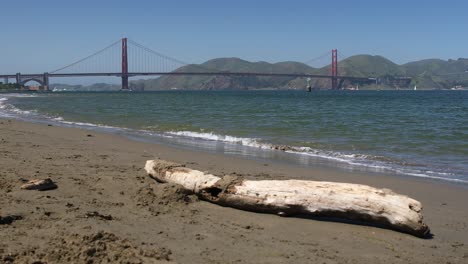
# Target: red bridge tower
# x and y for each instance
(124, 65)
(334, 69)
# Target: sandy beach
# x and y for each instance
(107, 210)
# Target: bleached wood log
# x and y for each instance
(297, 197)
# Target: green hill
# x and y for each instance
(430, 74)
(200, 82)
(438, 73)
(360, 66)
(367, 65)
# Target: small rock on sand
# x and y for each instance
(39, 184)
(6, 220)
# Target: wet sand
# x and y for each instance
(107, 210)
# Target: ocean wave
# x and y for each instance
(349, 158)
(376, 163)
(355, 160)
(9, 95)
(12, 111)
(9, 110)
(2, 103)
(250, 142)
(85, 124)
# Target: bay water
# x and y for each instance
(410, 133)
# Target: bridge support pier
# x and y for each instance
(340, 84)
(5, 80)
(124, 82)
(45, 80)
(18, 78)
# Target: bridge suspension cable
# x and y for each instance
(141, 59)
(144, 59)
(113, 61)
(342, 56)
(342, 66)
(84, 65)
(318, 58)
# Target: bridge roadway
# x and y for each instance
(132, 74)
(43, 76)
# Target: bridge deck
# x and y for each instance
(131, 74)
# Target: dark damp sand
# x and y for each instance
(106, 209)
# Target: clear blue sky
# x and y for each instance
(40, 36)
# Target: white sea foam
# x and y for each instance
(11, 111)
(9, 95)
(2, 102)
(375, 163)
(83, 124)
(251, 142)
(8, 110)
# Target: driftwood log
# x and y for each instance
(345, 201)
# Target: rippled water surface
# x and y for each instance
(418, 133)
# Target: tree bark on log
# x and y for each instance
(345, 201)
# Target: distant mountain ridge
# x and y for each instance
(227, 82)
(425, 74)
(429, 74)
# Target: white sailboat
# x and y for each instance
(415, 88)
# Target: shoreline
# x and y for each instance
(246, 148)
(103, 172)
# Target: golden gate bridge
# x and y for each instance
(114, 60)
